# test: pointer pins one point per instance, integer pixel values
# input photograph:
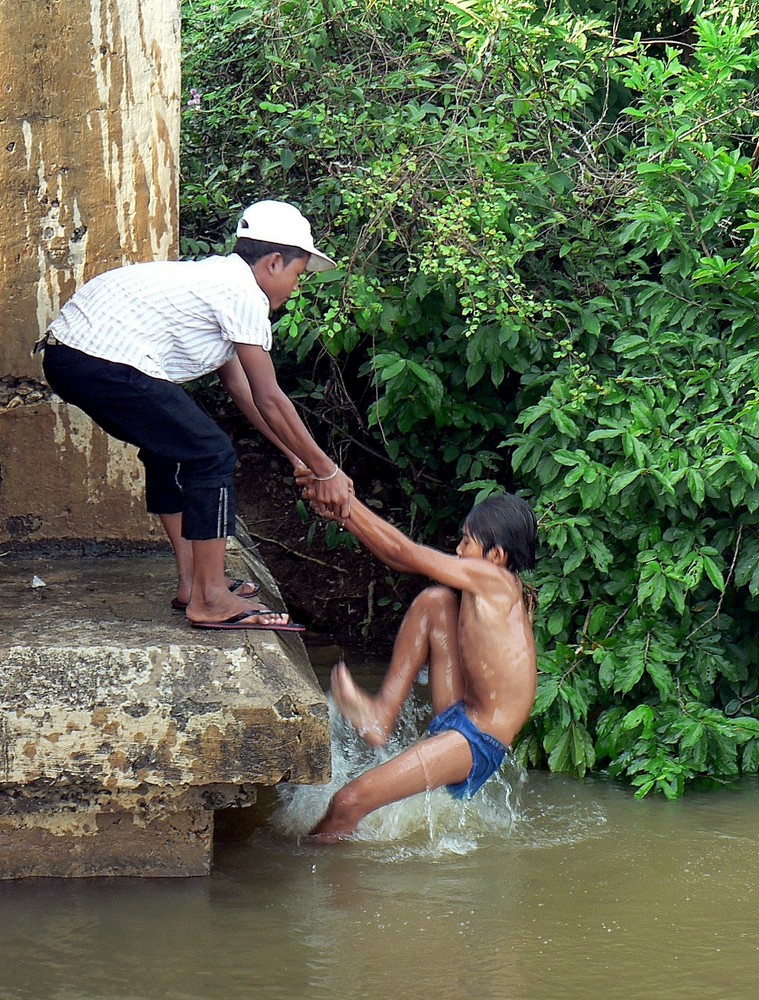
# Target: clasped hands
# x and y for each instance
(329, 498)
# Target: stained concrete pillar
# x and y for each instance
(89, 169)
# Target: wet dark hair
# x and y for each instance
(506, 521)
(252, 251)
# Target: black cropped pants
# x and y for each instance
(189, 461)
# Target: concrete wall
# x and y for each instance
(88, 181)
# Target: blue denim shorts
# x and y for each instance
(487, 751)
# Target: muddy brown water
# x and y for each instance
(543, 888)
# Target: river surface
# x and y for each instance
(541, 888)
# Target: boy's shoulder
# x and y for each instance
(496, 581)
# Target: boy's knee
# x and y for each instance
(439, 599)
(221, 460)
(215, 466)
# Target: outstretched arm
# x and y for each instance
(286, 430)
(233, 378)
(398, 552)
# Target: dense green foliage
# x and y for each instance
(548, 235)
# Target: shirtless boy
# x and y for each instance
(479, 648)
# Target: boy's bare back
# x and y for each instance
(497, 653)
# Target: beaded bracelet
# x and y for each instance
(324, 479)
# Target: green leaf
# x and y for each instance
(239, 16)
(560, 757)
(277, 109)
(548, 689)
(714, 573)
(390, 371)
(627, 675)
(631, 345)
(622, 480)
(641, 716)
(661, 675)
(696, 486)
(286, 158)
(693, 736)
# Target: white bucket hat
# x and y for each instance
(280, 222)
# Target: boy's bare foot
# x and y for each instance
(328, 838)
(228, 606)
(247, 589)
(333, 827)
(359, 708)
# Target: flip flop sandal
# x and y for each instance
(240, 623)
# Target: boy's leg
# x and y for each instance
(198, 534)
(164, 493)
(160, 418)
(428, 635)
(445, 759)
(172, 525)
(163, 498)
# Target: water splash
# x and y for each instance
(555, 810)
(433, 824)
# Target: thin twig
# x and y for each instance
(619, 619)
(718, 609)
(300, 555)
(370, 604)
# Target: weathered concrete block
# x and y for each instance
(91, 842)
(121, 727)
(62, 478)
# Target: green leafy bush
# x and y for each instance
(548, 239)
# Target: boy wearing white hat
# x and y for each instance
(123, 344)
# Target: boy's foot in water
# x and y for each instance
(316, 837)
(332, 829)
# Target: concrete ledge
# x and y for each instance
(121, 728)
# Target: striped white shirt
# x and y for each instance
(173, 320)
